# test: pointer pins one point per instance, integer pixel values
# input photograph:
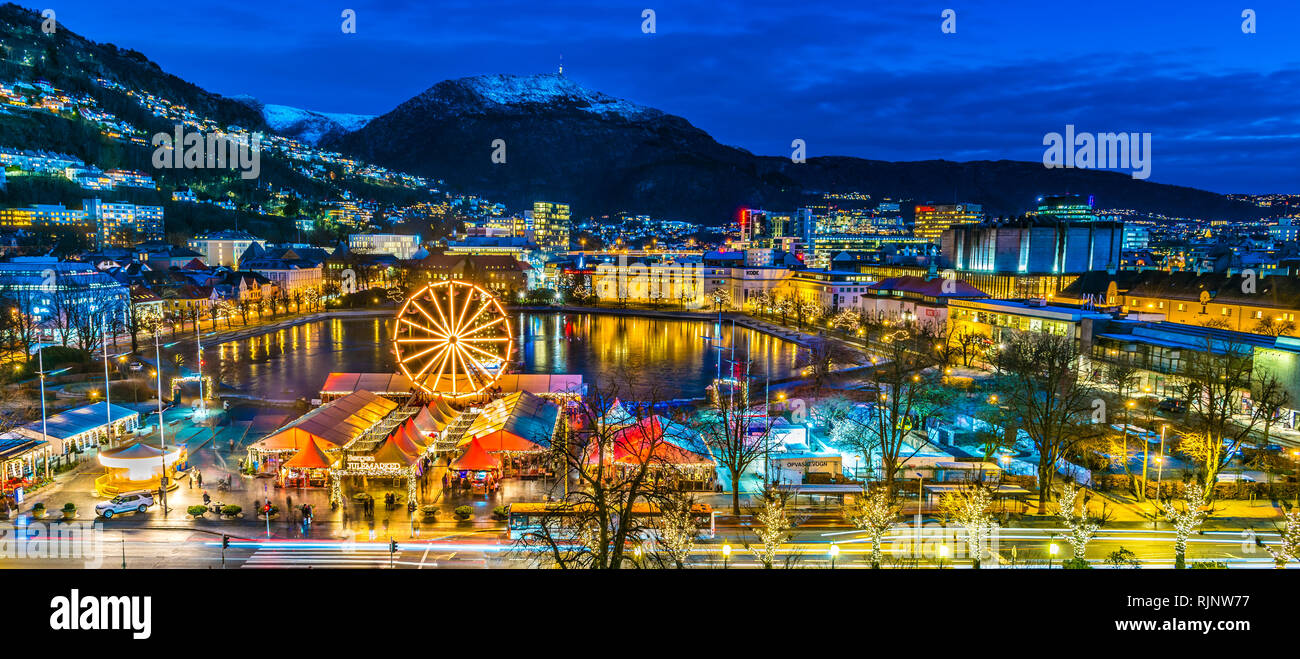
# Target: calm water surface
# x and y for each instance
(674, 355)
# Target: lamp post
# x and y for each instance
(108, 394)
(835, 552)
(40, 355)
(1297, 478)
(1160, 464)
(162, 435)
(726, 554)
(1052, 550)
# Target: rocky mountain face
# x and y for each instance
(564, 142)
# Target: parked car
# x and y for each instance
(124, 503)
(1172, 405)
(135, 367)
(1233, 478)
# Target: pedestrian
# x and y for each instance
(199, 475)
(206, 499)
(191, 483)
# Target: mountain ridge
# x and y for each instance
(603, 155)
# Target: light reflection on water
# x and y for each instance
(672, 354)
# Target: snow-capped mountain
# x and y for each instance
(310, 126)
(522, 138)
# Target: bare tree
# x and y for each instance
(600, 521)
(1050, 397)
(875, 514)
(727, 426)
(1288, 545)
(1186, 519)
(1219, 423)
(907, 396)
(971, 507)
(1082, 528)
(774, 525)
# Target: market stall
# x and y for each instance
(308, 467)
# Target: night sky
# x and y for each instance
(855, 77)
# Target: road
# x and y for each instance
(180, 546)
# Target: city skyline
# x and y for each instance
(1217, 101)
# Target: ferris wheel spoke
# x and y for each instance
(469, 365)
(422, 328)
(464, 309)
(425, 369)
(432, 320)
(478, 313)
(479, 350)
(445, 325)
(428, 340)
(441, 364)
(482, 327)
(485, 339)
(423, 353)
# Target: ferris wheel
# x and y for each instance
(453, 338)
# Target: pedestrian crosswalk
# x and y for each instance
(323, 556)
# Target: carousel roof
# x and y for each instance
(310, 457)
(335, 424)
(518, 422)
(476, 458)
(134, 451)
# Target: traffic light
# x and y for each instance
(392, 546)
(225, 541)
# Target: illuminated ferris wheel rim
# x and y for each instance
(468, 350)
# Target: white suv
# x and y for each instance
(125, 503)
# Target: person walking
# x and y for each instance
(199, 476)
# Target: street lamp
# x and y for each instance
(726, 554)
(1052, 551)
(835, 552)
(943, 553)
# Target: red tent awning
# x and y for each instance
(310, 457)
(476, 458)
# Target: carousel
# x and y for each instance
(138, 466)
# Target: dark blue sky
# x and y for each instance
(865, 78)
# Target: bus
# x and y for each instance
(528, 518)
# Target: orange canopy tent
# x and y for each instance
(415, 436)
(400, 439)
(310, 457)
(390, 453)
(475, 458)
(427, 423)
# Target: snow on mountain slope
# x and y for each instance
(502, 91)
(309, 126)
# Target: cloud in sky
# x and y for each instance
(874, 78)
